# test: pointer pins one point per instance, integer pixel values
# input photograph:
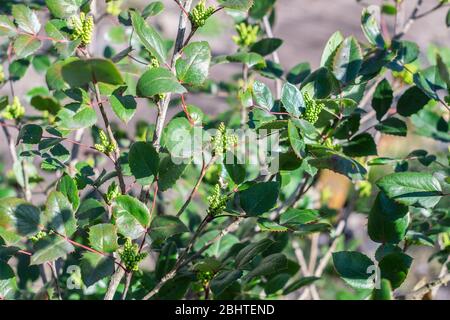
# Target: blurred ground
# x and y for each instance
(305, 26)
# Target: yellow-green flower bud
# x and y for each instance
(82, 28)
(200, 14)
(217, 202)
(40, 235)
(313, 109)
(247, 34)
(105, 146)
(113, 7)
(130, 255)
(14, 111)
(222, 142)
(2, 74)
(205, 277)
(112, 193)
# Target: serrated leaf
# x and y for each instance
(266, 46)
(149, 37)
(50, 249)
(298, 216)
(63, 8)
(26, 19)
(347, 60)
(370, 23)
(59, 215)
(330, 49)
(164, 227)
(298, 284)
(132, 216)
(169, 172)
(394, 267)
(68, 187)
(388, 220)
(293, 100)
(79, 73)
(166, 260)
(158, 81)
(361, 145)
(262, 95)
(241, 5)
(393, 126)
(354, 268)
(248, 253)
(259, 198)
(95, 267)
(412, 188)
(193, 69)
(103, 237)
(144, 162)
(266, 225)
(17, 219)
(76, 116)
(328, 159)
(224, 280)
(382, 98)
(274, 263)
(30, 134)
(124, 106)
(7, 27)
(25, 45)
(412, 101)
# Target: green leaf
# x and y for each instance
(299, 73)
(7, 27)
(320, 84)
(241, 5)
(152, 9)
(294, 286)
(382, 98)
(271, 264)
(251, 59)
(412, 101)
(68, 187)
(328, 159)
(26, 19)
(347, 61)
(25, 45)
(123, 106)
(180, 138)
(59, 215)
(149, 37)
(50, 249)
(49, 104)
(17, 219)
(164, 227)
(297, 142)
(447, 19)
(169, 172)
(388, 220)
(361, 145)
(144, 162)
(429, 124)
(394, 267)
(194, 68)
(393, 126)
(79, 73)
(63, 8)
(292, 100)
(298, 216)
(267, 225)
(167, 259)
(89, 211)
(248, 253)
(30, 134)
(76, 116)
(103, 237)
(224, 280)
(266, 46)
(370, 23)
(262, 95)
(412, 188)
(384, 292)
(132, 216)
(330, 49)
(354, 268)
(259, 198)
(158, 81)
(95, 267)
